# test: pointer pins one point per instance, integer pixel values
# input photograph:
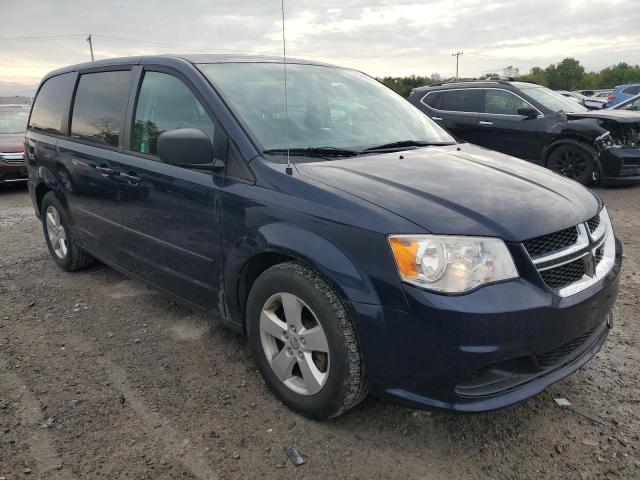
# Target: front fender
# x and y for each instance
(330, 261)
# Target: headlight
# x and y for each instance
(451, 264)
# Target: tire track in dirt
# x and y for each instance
(175, 443)
(48, 464)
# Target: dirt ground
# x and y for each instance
(101, 377)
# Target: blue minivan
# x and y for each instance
(359, 246)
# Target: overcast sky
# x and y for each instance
(380, 37)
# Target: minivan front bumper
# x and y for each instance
(484, 350)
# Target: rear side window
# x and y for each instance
(503, 102)
(433, 99)
(51, 104)
(470, 100)
(632, 90)
(98, 106)
(165, 103)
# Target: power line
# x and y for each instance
(41, 38)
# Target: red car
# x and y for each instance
(13, 123)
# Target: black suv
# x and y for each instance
(534, 123)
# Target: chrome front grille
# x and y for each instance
(564, 274)
(11, 158)
(593, 223)
(573, 259)
(552, 242)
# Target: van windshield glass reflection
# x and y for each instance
(328, 107)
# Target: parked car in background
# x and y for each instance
(537, 124)
(622, 93)
(592, 103)
(358, 246)
(602, 94)
(13, 123)
(594, 93)
(633, 104)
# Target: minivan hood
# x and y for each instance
(462, 190)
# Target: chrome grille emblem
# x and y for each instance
(575, 267)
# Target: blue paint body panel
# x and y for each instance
(193, 234)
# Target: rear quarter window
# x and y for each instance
(52, 103)
(433, 100)
(463, 100)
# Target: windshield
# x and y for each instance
(328, 107)
(13, 119)
(553, 101)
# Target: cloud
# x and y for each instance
(376, 36)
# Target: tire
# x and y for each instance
(57, 233)
(338, 382)
(575, 161)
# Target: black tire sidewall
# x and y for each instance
(51, 200)
(331, 398)
(590, 154)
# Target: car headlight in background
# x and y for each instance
(451, 264)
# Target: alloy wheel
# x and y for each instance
(56, 232)
(571, 163)
(294, 343)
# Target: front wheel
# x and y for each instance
(304, 343)
(574, 161)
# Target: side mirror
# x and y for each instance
(188, 148)
(528, 112)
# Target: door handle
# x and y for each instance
(105, 171)
(437, 119)
(131, 178)
(483, 122)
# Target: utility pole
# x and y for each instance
(90, 46)
(457, 55)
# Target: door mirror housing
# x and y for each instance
(528, 112)
(187, 148)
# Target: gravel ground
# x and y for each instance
(101, 377)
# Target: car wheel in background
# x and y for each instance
(57, 233)
(304, 343)
(574, 161)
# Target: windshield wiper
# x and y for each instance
(404, 144)
(314, 152)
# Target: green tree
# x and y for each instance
(566, 75)
(404, 85)
(536, 75)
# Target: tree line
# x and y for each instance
(568, 74)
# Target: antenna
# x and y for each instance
(289, 169)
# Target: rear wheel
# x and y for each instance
(57, 233)
(304, 342)
(574, 161)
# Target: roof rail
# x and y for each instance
(502, 81)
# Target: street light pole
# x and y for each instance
(90, 46)
(457, 55)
